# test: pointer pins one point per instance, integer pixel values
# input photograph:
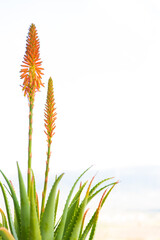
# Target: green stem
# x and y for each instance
(30, 145)
(46, 177)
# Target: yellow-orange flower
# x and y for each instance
(49, 113)
(31, 70)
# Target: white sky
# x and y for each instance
(104, 58)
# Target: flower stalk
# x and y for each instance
(30, 146)
(50, 117)
(31, 73)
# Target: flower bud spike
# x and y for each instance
(49, 123)
(50, 111)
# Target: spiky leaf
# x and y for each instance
(5, 234)
(15, 201)
(74, 228)
(73, 206)
(61, 226)
(11, 224)
(47, 221)
(25, 208)
(4, 220)
(34, 223)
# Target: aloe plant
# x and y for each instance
(30, 222)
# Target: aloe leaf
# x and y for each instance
(47, 220)
(75, 232)
(98, 184)
(71, 209)
(83, 220)
(61, 226)
(16, 225)
(73, 206)
(7, 190)
(68, 231)
(92, 234)
(11, 224)
(99, 190)
(35, 194)
(56, 205)
(34, 223)
(37, 206)
(92, 220)
(4, 220)
(77, 196)
(4, 233)
(109, 191)
(88, 227)
(15, 201)
(25, 208)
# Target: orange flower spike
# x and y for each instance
(50, 117)
(31, 71)
(50, 114)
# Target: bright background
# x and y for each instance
(104, 58)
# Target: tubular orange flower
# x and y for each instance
(31, 70)
(50, 114)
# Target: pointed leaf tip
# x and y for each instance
(5, 234)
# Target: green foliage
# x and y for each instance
(48, 217)
(70, 225)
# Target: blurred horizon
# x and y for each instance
(138, 188)
(131, 210)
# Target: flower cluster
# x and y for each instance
(50, 114)
(31, 70)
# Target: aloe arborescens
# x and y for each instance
(31, 223)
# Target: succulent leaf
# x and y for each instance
(83, 220)
(4, 220)
(99, 190)
(15, 201)
(35, 194)
(60, 229)
(5, 234)
(88, 227)
(98, 184)
(47, 221)
(73, 206)
(79, 216)
(96, 217)
(17, 225)
(25, 208)
(56, 205)
(11, 224)
(34, 223)
(109, 191)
